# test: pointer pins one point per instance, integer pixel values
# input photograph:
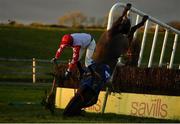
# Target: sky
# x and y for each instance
(48, 11)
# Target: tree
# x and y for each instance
(92, 21)
(175, 24)
(74, 19)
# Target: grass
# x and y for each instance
(12, 108)
(22, 71)
(42, 43)
(28, 43)
(158, 48)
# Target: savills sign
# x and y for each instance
(156, 106)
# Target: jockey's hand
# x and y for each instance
(53, 60)
(67, 75)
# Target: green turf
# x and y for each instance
(157, 52)
(13, 97)
(42, 43)
(26, 42)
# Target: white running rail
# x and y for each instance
(158, 23)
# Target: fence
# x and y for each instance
(158, 23)
(26, 69)
(39, 67)
(32, 70)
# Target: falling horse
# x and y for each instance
(114, 42)
(117, 41)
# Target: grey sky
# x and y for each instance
(48, 11)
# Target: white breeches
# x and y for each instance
(89, 53)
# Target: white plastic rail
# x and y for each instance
(158, 23)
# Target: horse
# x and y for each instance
(118, 40)
(112, 43)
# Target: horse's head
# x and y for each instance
(72, 82)
(132, 54)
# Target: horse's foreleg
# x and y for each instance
(134, 28)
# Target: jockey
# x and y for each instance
(79, 42)
(89, 89)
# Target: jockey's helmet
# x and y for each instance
(67, 40)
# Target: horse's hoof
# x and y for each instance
(128, 6)
(145, 17)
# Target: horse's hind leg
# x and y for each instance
(117, 23)
(126, 9)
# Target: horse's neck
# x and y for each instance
(109, 49)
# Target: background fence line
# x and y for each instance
(42, 68)
(29, 68)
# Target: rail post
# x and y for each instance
(163, 48)
(105, 100)
(137, 20)
(153, 46)
(173, 51)
(34, 70)
(143, 43)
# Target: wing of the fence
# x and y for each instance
(158, 23)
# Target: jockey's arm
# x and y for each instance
(59, 51)
(73, 63)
